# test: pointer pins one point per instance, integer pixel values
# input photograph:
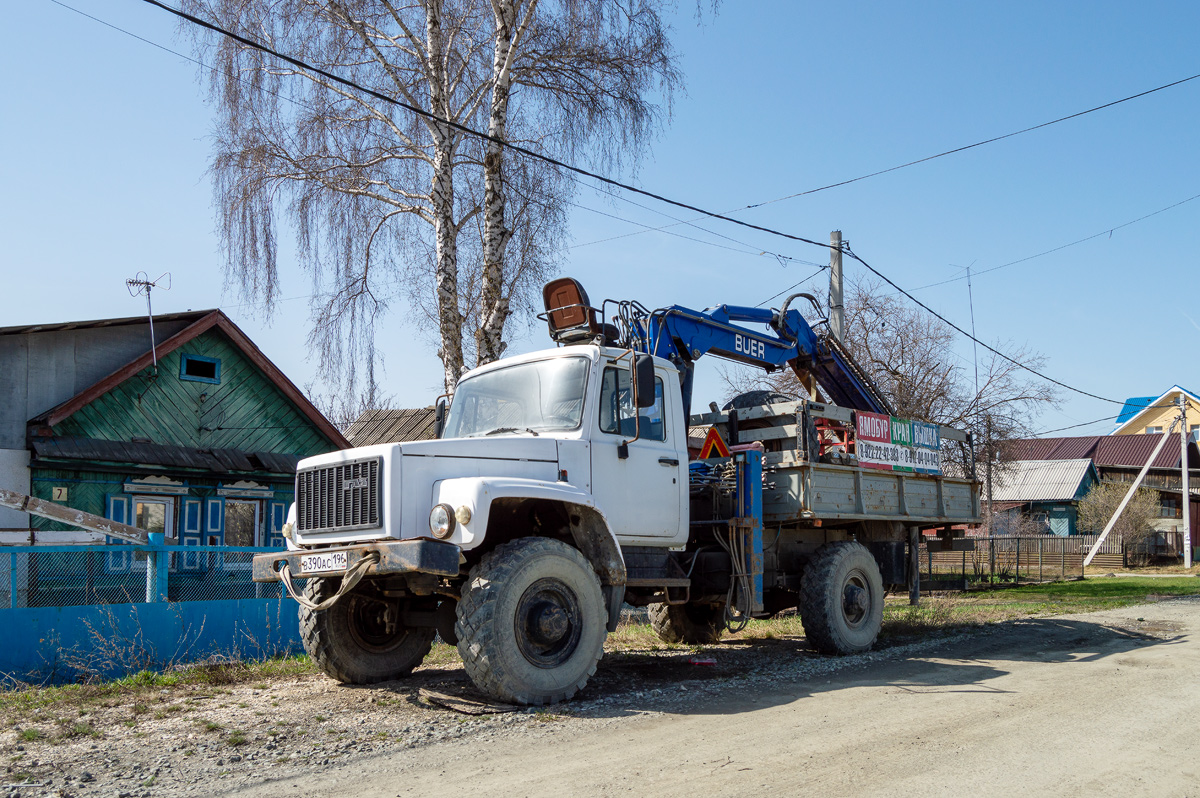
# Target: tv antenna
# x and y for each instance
(142, 284)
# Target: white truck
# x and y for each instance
(561, 487)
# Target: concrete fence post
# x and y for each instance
(157, 561)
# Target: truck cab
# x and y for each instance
(557, 425)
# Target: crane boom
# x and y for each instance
(683, 336)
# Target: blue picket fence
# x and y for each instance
(71, 612)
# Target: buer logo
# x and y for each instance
(359, 482)
(748, 346)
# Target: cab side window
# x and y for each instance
(617, 411)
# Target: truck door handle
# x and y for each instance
(668, 461)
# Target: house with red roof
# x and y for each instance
(1118, 458)
(183, 428)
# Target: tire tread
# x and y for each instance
(819, 605)
(333, 658)
(476, 624)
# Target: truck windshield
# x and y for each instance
(528, 397)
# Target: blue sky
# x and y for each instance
(107, 141)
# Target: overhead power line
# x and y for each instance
(472, 132)
(781, 258)
(633, 189)
(1105, 418)
(1109, 231)
(931, 158)
(978, 143)
(1073, 426)
(820, 268)
(992, 349)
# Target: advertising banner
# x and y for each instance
(897, 444)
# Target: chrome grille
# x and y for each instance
(341, 497)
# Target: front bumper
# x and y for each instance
(395, 557)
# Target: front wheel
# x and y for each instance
(841, 599)
(360, 639)
(531, 622)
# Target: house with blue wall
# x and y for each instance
(189, 432)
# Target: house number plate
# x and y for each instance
(315, 563)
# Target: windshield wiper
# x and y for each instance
(498, 430)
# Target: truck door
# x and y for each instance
(642, 495)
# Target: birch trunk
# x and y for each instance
(450, 320)
(495, 300)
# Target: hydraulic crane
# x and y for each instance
(682, 336)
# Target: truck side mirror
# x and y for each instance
(643, 367)
(439, 417)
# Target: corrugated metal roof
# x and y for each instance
(1040, 480)
(218, 460)
(189, 316)
(393, 426)
(1133, 406)
(1104, 450)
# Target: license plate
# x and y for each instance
(316, 563)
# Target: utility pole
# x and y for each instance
(836, 309)
(1185, 495)
(987, 458)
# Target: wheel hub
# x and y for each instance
(856, 602)
(373, 623)
(548, 624)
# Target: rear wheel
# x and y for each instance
(360, 639)
(532, 622)
(841, 599)
(695, 624)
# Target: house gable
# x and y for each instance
(239, 409)
(1146, 415)
(45, 365)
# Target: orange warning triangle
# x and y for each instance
(713, 442)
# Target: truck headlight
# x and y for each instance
(441, 521)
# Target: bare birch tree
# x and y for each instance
(379, 197)
(564, 73)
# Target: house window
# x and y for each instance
(1194, 433)
(153, 514)
(1153, 430)
(241, 523)
(1169, 508)
(197, 368)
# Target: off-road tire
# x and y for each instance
(694, 624)
(516, 603)
(346, 642)
(841, 599)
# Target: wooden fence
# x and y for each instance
(1026, 558)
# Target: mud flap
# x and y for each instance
(614, 597)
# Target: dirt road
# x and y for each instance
(1105, 703)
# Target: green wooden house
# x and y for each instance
(196, 437)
